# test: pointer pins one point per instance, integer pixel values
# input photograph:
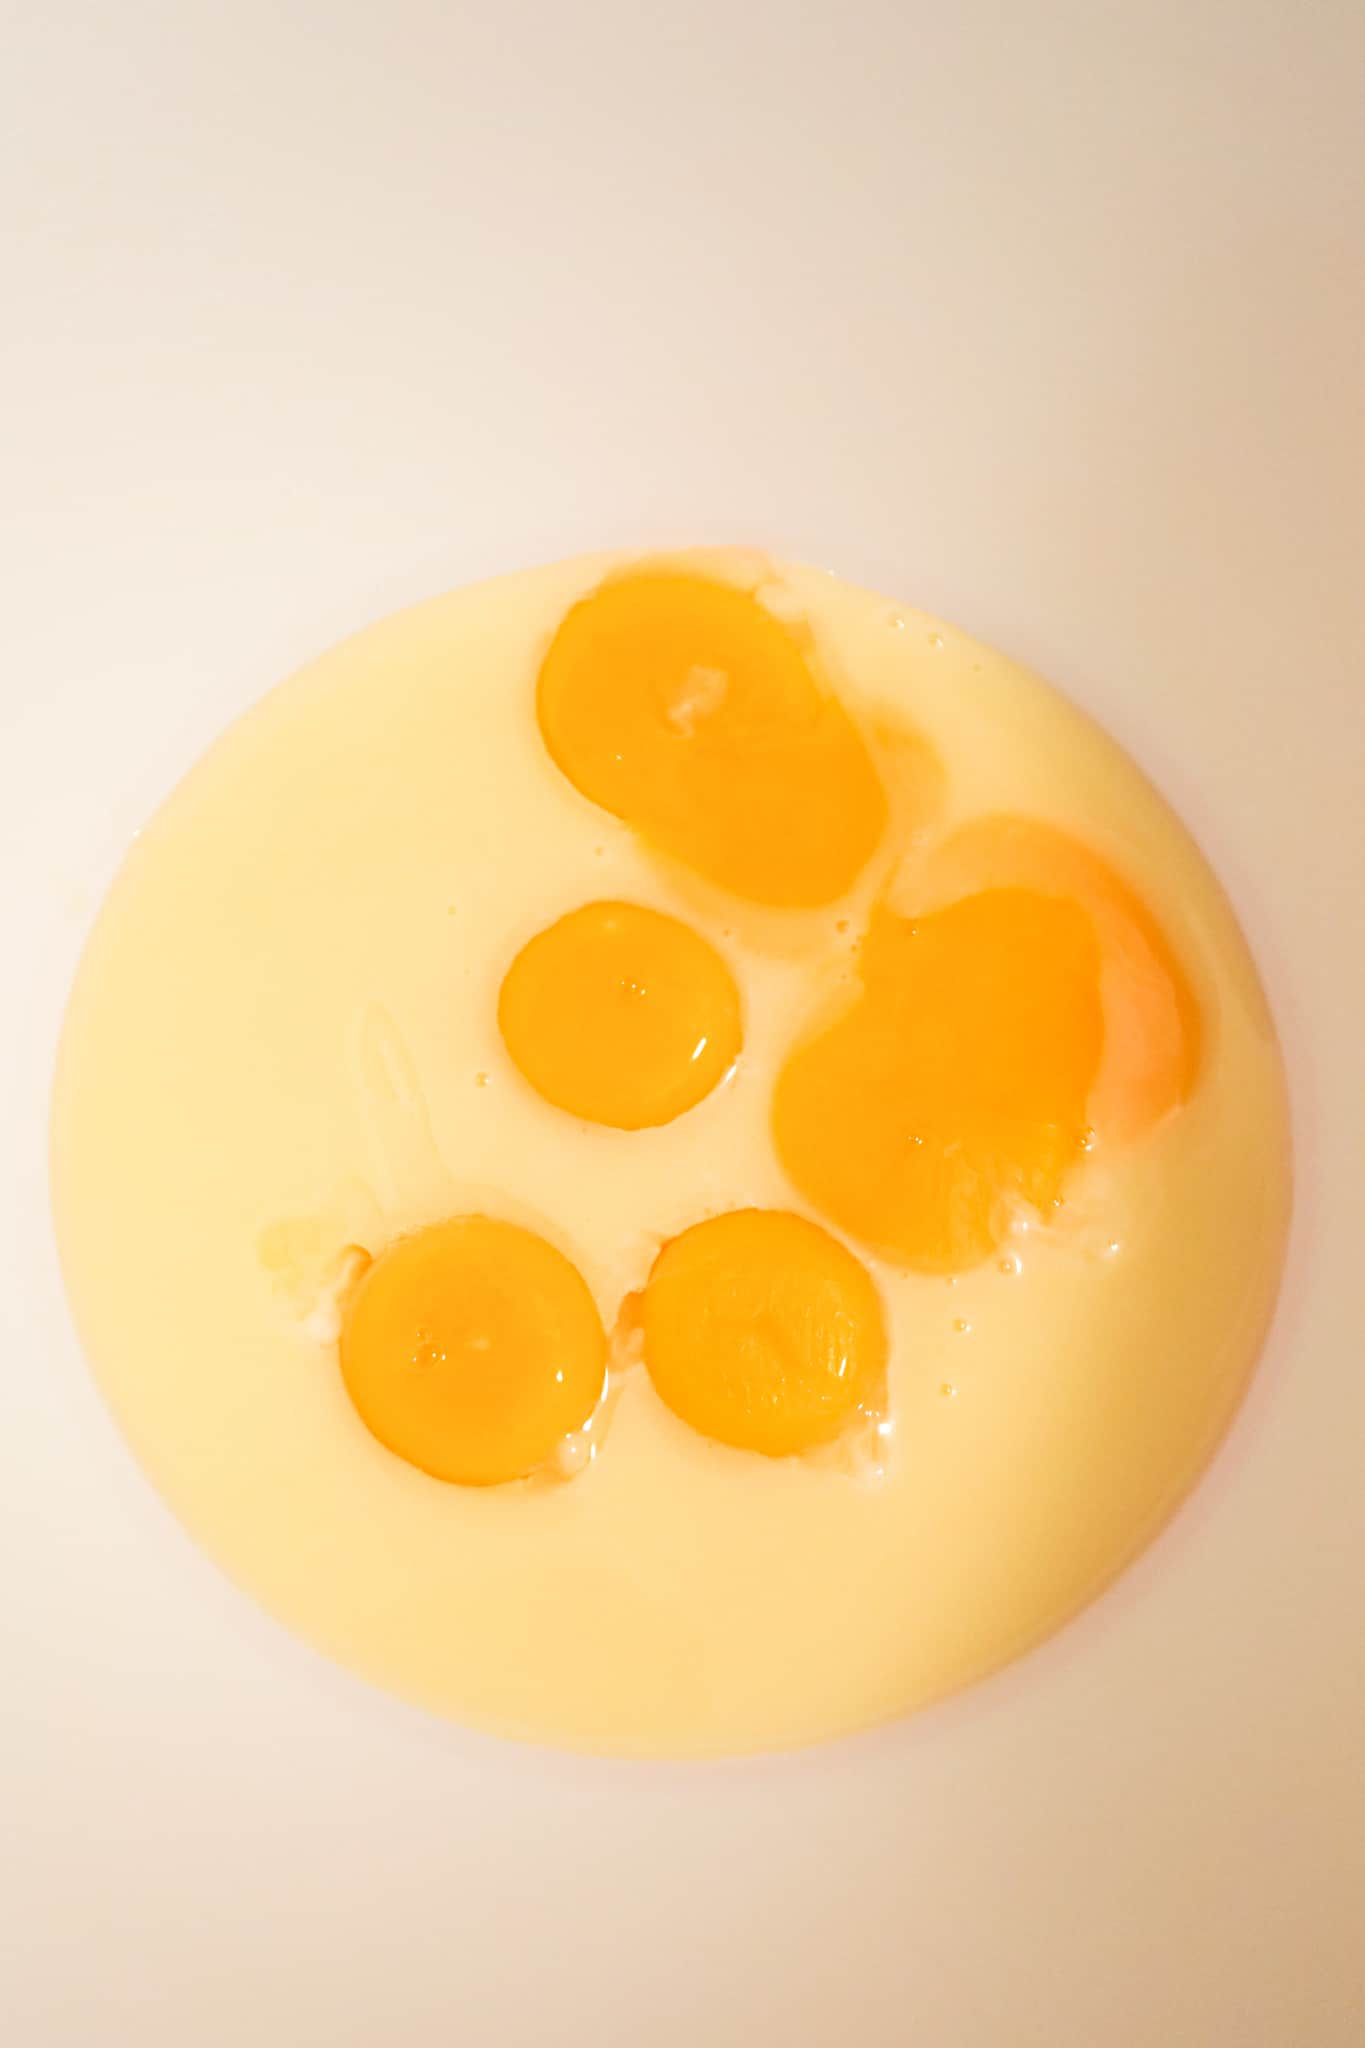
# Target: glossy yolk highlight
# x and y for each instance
(620, 1015)
(762, 1331)
(955, 1085)
(1152, 1024)
(471, 1349)
(682, 706)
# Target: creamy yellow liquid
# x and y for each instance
(283, 1043)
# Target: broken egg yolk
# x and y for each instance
(620, 1015)
(953, 1089)
(472, 1349)
(1153, 1029)
(682, 706)
(763, 1331)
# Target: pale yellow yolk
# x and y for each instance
(682, 706)
(764, 1332)
(472, 1349)
(620, 1015)
(956, 1083)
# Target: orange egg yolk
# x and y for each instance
(472, 1349)
(1152, 1024)
(620, 1015)
(762, 1331)
(682, 706)
(955, 1085)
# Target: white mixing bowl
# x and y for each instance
(1047, 319)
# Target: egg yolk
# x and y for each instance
(955, 1085)
(620, 1015)
(682, 706)
(1152, 1024)
(471, 1349)
(763, 1331)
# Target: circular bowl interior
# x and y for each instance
(1041, 325)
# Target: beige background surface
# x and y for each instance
(1048, 318)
